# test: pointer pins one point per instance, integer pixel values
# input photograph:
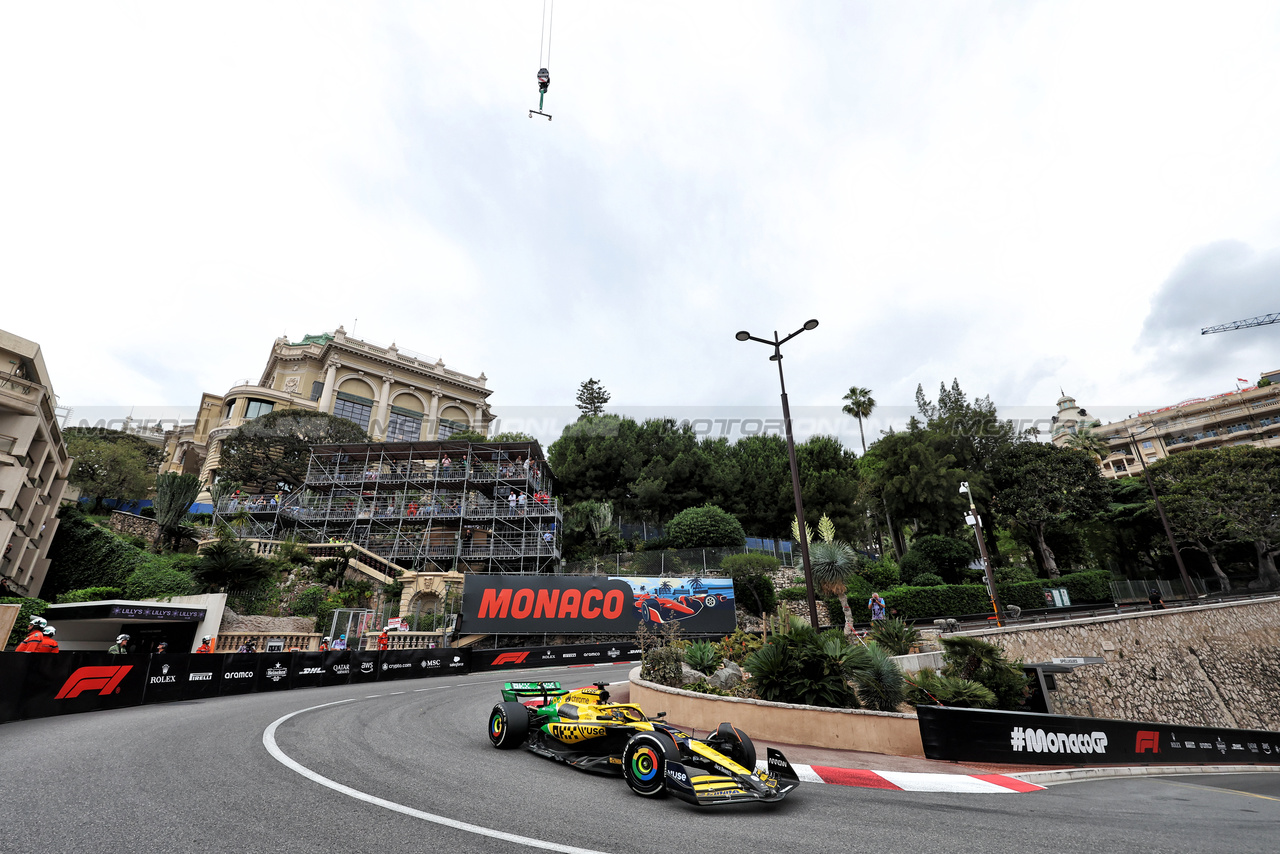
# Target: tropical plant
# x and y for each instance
(877, 679)
(896, 636)
(860, 406)
(174, 496)
(1089, 442)
(737, 646)
(931, 688)
(832, 564)
(221, 488)
(800, 666)
(229, 566)
(308, 601)
(976, 660)
(703, 656)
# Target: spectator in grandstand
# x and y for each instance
(121, 646)
(446, 465)
(205, 644)
(47, 643)
(466, 538)
(524, 502)
(511, 502)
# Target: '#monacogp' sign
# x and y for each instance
(523, 604)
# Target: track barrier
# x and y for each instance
(37, 686)
(1017, 738)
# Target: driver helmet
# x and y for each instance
(49, 630)
(121, 638)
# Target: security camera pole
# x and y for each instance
(976, 521)
(776, 344)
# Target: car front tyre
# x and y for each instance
(644, 763)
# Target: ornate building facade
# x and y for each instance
(394, 395)
(1247, 416)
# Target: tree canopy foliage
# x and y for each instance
(592, 396)
(108, 468)
(271, 452)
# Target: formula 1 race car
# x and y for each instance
(583, 729)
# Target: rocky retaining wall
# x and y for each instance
(134, 526)
(1207, 665)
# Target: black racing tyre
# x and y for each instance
(508, 725)
(644, 763)
(735, 744)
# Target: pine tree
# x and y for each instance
(591, 398)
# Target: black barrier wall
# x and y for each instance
(977, 735)
(34, 686)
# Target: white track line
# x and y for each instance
(269, 742)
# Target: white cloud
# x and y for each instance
(988, 192)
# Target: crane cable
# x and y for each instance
(544, 34)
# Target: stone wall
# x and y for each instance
(134, 526)
(1208, 665)
(256, 624)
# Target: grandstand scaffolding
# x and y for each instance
(422, 506)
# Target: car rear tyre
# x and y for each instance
(508, 725)
(644, 763)
(735, 744)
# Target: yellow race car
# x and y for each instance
(583, 729)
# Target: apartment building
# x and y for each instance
(395, 395)
(1246, 416)
(33, 465)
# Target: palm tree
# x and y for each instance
(1090, 442)
(832, 562)
(861, 404)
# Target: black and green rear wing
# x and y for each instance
(519, 692)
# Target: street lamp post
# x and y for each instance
(1164, 520)
(776, 344)
(976, 521)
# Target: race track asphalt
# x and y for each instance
(198, 777)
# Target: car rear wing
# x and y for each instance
(522, 692)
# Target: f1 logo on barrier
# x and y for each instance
(511, 658)
(1147, 740)
(106, 678)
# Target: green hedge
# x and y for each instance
(83, 555)
(90, 594)
(30, 608)
(951, 600)
(1084, 587)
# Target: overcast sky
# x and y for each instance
(1023, 196)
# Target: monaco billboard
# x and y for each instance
(531, 604)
